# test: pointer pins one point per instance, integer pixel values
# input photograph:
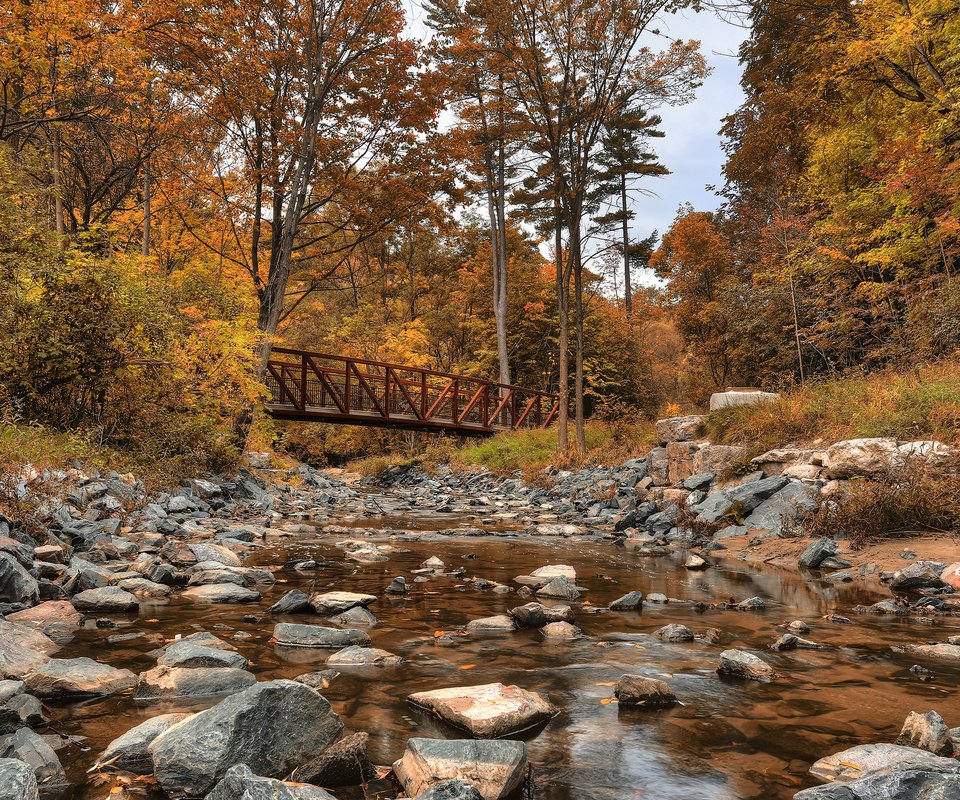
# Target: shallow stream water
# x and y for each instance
(729, 739)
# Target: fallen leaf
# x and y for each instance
(467, 666)
(604, 701)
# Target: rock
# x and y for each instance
(331, 603)
(635, 690)
(940, 650)
(926, 732)
(451, 790)
(398, 586)
(680, 461)
(343, 763)
(741, 664)
(791, 642)
(290, 634)
(498, 624)
(561, 588)
(908, 785)
(32, 749)
(674, 633)
(206, 551)
(863, 759)
(318, 680)
(239, 783)
(718, 458)
(221, 593)
(552, 571)
(698, 482)
(272, 727)
(678, 429)
(496, 768)
(144, 588)
(918, 575)
(169, 682)
(64, 677)
(738, 501)
(535, 615)
(354, 656)
(861, 457)
(16, 584)
(186, 653)
(694, 562)
(57, 617)
(433, 564)
(130, 752)
(631, 601)
(798, 626)
(659, 467)
(950, 576)
(741, 397)
(109, 599)
(561, 630)
(488, 711)
(22, 649)
(17, 781)
(358, 615)
(817, 551)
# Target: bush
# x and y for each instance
(914, 499)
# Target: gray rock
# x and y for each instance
(289, 634)
(919, 575)
(629, 602)
(32, 749)
(221, 593)
(535, 615)
(636, 690)
(239, 783)
(496, 768)
(343, 763)
(863, 759)
(190, 654)
(561, 630)
(22, 649)
(498, 624)
(16, 584)
(738, 501)
(488, 711)
(674, 633)
(908, 785)
(17, 781)
(741, 664)
(560, 588)
(751, 604)
(817, 551)
(273, 727)
(330, 603)
(292, 602)
(64, 677)
(164, 683)
(926, 732)
(398, 586)
(144, 588)
(358, 615)
(451, 790)
(354, 656)
(791, 642)
(678, 429)
(699, 481)
(130, 752)
(109, 599)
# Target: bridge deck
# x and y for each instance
(318, 387)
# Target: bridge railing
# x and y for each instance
(310, 385)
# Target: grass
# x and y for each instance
(922, 404)
(44, 448)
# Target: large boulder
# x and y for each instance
(454, 789)
(495, 768)
(658, 467)
(817, 551)
(733, 398)
(636, 690)
(680, 460)
(918, 575)
(32, 749)
(715, 459)
(861, 457)
(190, 654)
(330, 603)
(926, 732)
(57, 618)
(292, 602)
(17, 781)
(739, 501)
(164, 683)
(241, 784)
(343, 763)
(65, 677)
(678, 429)
(741, 664)
(290, 634)
(109, 599)
(221, 593)
(130, 752)
(16, 584)
(863, 759)
(908, 785)
(488, 711)
(207, 551)
(535, 615)
(273, 727)
(22, 649)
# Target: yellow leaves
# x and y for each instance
(604, 701)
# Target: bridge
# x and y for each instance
(319, 387)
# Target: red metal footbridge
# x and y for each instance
(319, 387)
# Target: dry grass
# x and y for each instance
(923, 404)
(908, 501)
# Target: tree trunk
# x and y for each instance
(577, 263)
(503, 355)
(145, 249)
(627, 288)
(563, 347)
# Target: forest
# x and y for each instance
(185, 182)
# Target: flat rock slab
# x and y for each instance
(941, 650)
(495, 768)
(488, 711)
(330, 603)
(221, 593)
(106, 600)
(354, 656)
(290, 634)
(909, 785)
(273, 727)
(61, 677)
(167, 682)
(855, 762)
(191, 654)
(551, 571)
(501, 623)
(60, 612)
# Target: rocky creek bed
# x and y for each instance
(334, 630)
